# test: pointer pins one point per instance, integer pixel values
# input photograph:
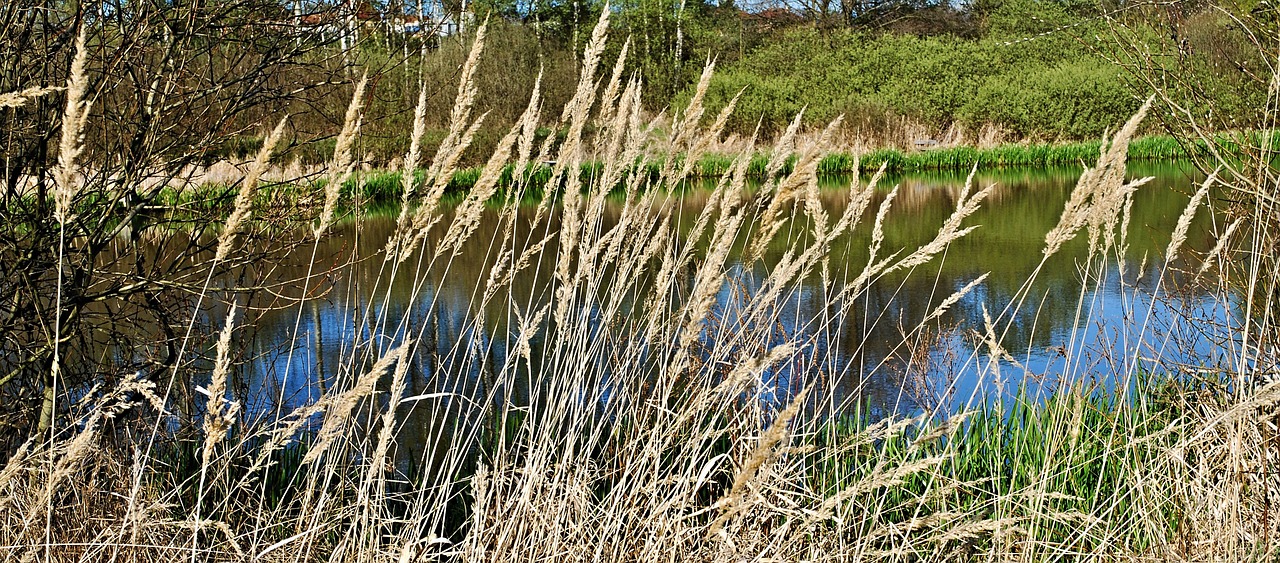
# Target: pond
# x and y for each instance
(872, 353)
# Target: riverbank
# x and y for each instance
(378, 187)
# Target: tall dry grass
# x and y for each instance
(633, 422)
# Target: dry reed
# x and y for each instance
(1184, 221)
(764, 452)
(343, 163)
(242, 209)
(1100, 193)
(1219, 247)
(221, 413)
(624, 422)
(21, 97)
(74, 118)
(338, 410)
(461, 131)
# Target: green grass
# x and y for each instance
(957, 159)
(1158, 147)
(1080, 451)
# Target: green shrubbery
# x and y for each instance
(1076, 99)
(1044, 71)
(1049, 88)
(1036, 71)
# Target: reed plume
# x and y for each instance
(343, 163)
(409, 233)
(951, 229)
(771, 196)
(243, 207)
(1101, 190)
(954, 298)
(130, 391)
(73, 120)
(763, 453)
(468, 213)
(609, 100)
(22, 97)
(338, 408)
(1184, 221)
(567, 166)
(408, 175)
(875, 264)
(220, 414)
(1220, 246)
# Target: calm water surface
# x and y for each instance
(1057, 329)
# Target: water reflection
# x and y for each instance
(859, 350)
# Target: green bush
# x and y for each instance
(1051, 87)
(1078, 99)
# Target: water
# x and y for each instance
(1101, 333)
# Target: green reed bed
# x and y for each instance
(1156, 147)
(202, 197)
(1005, 156)
(958, 159)
(380, 187)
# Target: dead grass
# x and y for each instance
(644, 436)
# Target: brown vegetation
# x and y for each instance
(641, 434)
